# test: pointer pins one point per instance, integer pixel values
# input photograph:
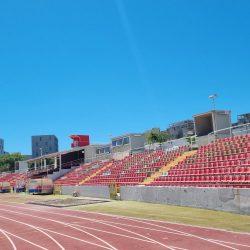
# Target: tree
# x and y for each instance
(7, 162)
(189, 139)
(160, 137)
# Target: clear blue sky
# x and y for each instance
(98, 67)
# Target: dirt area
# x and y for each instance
(67, 202)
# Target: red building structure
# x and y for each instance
(79, 140)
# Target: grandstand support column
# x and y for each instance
(35, 165)
(45, 164)
(60, 162)
(55, 162)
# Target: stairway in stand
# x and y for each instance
(18, 178)
(108, 165)
(167, 167)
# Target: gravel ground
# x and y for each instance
(67, 202)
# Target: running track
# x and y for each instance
(31, 227)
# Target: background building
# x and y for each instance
(1, 146)
(48, 143)
(243, 119)
(79, 140)
(181, 129)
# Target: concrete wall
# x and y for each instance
(219, 199)
(203, 124)
(204, 140)
(88, 191)
(122, 148)
(102, 157)
(137, 141)
(60, 173)
(223, 121)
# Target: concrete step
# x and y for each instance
(94, 174)
(167, 167)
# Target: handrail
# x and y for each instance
(242, 125)
(48, 167)
(229, 128)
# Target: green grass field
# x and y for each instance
(15, 200)
(184, 215)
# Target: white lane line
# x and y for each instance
(180, 248)
(155, 221)
(128, 217)
(111, 233)
(187, 234)
(12, 243)
(143, 221)
(136, 220)
(153, 241)
(105, 242)
(25, 240)
(231, 243)
(37, 228)
(63, 224)
(183, 233)
(75, 238)
(146, 228)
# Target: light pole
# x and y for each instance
(41, 156)
(110, 135)
(213, 97)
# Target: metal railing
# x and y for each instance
(232, 132)
(42, 169)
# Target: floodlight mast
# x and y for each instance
(213, 97)
(110, 135)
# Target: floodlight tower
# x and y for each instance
(213, 97)
(110, 135)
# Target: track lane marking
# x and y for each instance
(107, 223)
(25, 240)
(183, 234)
(36, 229)
(64, 223)
(152, 240)
(53, 232)
(187, 234)
(12, 243)
(138, 220)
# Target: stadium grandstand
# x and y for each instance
(217, 158)
(209, 170)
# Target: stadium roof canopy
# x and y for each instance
(47, 156)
